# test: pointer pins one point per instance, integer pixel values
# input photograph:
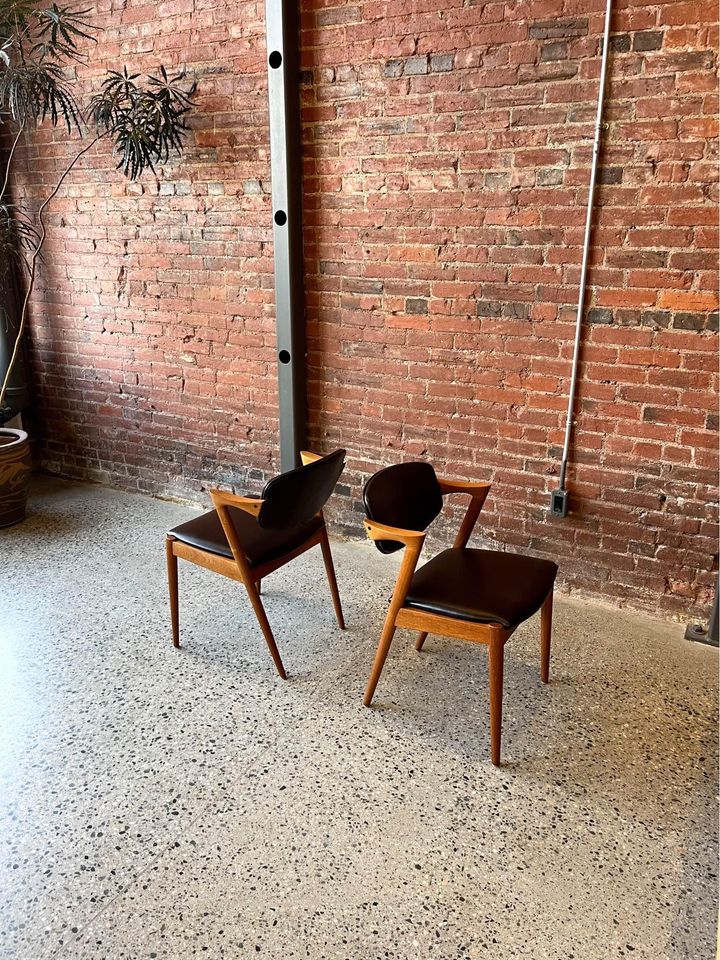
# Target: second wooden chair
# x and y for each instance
(476, 595)
(246, 538)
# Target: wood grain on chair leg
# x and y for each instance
(496, 656)
(545, 635)
(380, 658)
(172, 575)
(265, 627)
(422, 637)
(413, 541)
(330, 571)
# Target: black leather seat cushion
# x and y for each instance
(483, 586)
(259, 543)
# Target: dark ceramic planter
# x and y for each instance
(14, 475)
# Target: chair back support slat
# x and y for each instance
(294, 498)
(405, 495)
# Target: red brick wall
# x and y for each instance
(153, 336)
(446, 159)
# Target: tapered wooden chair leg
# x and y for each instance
(330, 571)
(265, 627)
(380, 658)
(496, 656)
(258, 584)
(545, 635)
(422, 637)
(172, 575)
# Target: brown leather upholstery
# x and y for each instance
(260, 544)
(482, 586)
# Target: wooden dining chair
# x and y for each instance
(476, 595)
(246, 538)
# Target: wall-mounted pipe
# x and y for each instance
(558, 498)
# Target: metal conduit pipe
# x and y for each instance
(558, 498)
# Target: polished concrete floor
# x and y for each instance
(187, 803)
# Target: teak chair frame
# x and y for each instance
(493, 635)
(239, 568)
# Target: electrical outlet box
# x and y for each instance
(559, 503)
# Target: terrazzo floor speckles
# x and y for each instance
(172, 804)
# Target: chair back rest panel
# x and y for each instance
(294, 498)
(405, 495)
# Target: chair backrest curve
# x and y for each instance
(294, 498)
(406, 495)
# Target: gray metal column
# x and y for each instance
(281, 25)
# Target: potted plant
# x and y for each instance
(144, 120)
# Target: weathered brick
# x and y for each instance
(542, 72)
(442, 62)
(619, 43)
(338, 14)
(415, 66)
(647, 40)
(690, 321)
(393, 68)
(550, 178)
(609, 175)
(416, 305)
(518, 311)
(599, 315)
(656, 318)
(549, 29)
(557, 50)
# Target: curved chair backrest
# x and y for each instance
(295, 497)
(406, 495)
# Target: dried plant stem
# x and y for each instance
(21, 130)
(31, 263)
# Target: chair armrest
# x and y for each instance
(222, 498)
(307, 457)
(475, 489)
(478, 494)
(380, 531)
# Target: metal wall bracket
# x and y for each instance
(559, 503)
(281, 27)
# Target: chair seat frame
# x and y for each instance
(494, 636)
(239, 567)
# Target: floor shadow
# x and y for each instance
(45, 522)
(583, 733)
